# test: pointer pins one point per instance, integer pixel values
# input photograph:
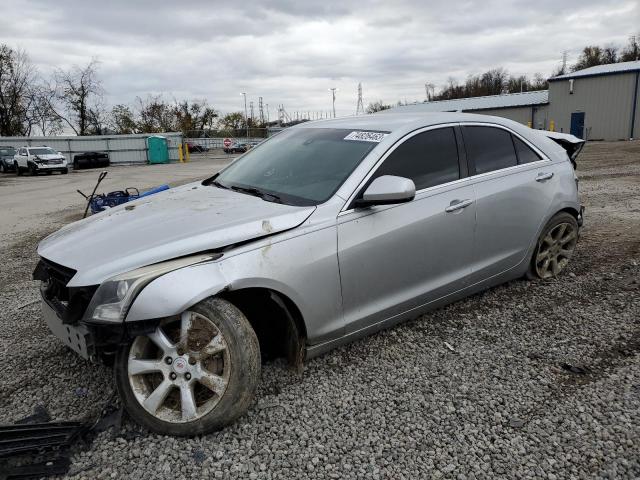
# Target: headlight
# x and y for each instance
(114, 296)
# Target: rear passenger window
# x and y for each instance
(429, 159)
(525, 154)
(489, 148)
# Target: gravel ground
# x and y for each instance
(401, 404)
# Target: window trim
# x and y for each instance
(513, 140)
(462, 157)
(543, 158)
(348, 206)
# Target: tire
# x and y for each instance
(219, 326)
(2, 168)
(555, 247)
(75, 165)
(18, 169)
(32, 171)
(65, 171)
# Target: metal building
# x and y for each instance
(529, 108)
(598, 103)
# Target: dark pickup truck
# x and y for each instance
(90, 160)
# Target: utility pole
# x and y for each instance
(267, 107)
(333, 95)
(246, 116)
(260, 110)
(359, 106)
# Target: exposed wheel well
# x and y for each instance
(571, 211)
(276, 320)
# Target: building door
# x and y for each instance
(577, 124)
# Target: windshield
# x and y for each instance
(7, 151)
(42, 151)
(302, 166)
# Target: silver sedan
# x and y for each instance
(326, 232)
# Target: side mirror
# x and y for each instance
(387, 190)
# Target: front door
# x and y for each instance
(395, 258)
(577, 124)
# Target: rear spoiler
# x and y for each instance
(572, 144)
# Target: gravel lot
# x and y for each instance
(399, 404)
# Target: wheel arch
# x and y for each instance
(276, 319)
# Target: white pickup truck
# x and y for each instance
(39, 159)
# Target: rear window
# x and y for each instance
(489, 148)
(429, 158)
(525, 154)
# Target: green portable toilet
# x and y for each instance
(158, 151)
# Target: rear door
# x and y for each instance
(514, 187)
(394, 258)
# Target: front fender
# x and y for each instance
(172, 293)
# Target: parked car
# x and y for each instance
(194, 147)
(237, 148)
(39, 159)
(91, 160)
(328, 232)
(6, 158)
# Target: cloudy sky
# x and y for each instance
(290, 52)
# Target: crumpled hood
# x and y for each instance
(177, 222)
(51, 156)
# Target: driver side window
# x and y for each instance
(429, 158)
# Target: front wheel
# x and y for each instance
(555, 247)
(193, 374)
(18, 170)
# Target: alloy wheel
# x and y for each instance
(180, 372)
(555, 250)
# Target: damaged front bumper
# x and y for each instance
(77, 337)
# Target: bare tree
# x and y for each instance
(122, 120)
(80, 93)
(17, 77)
(377, 107)
(632, 51)
(155, 115)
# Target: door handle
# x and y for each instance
(544, 176)
(458, 205)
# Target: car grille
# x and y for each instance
(69, 303)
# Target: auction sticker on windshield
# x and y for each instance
(361, 136)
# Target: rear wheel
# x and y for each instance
(2, 168)
(18, 170)
(194, 374)
(555, 247)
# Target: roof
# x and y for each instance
(608, 69)
(538, 97)
(399, 120)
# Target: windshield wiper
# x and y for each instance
(257, 193)
(218, 184)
